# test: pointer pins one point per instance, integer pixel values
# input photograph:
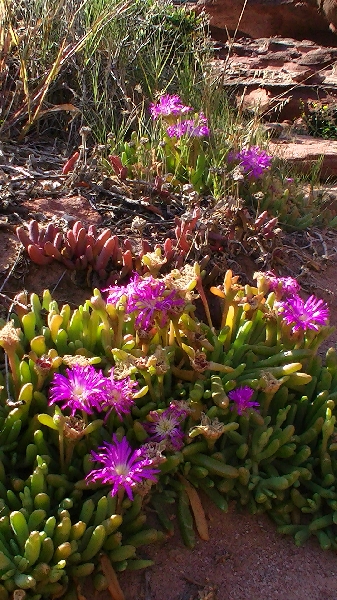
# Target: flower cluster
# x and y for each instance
(169, 106)
(121, 467)
(253, 161)
(198, 128)
(301, 315)
(286, 286)
(148, 298)
(87, 390)
(282, 286)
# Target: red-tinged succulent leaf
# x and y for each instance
(117, 166)
(182, 242)
(34, 231)
(92, 231)
(69, 165)
(268, 227)
(50, 250)
(23, 236)
(127, 245)
(116, 250)
(168, 249)
(36, 255)
(81, 245)
(102, 238)
(58, 240)
(127, 259)
(261, 219)
(91, 239)
(49, 234)
(146, 247)
(89, 254)
(77, 227)
(106, 253)
(71, 240)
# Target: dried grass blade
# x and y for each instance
(197, 509)
(109, 572)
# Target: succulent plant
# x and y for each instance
(245, 411)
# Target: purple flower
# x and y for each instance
(286, 286)
(241, 396)
(189, 128)
(311, 314)
(253, 160)
(149, 298)
(83, 388)
(168, 105)
(166, 427)
(119, 395)
(121, 467)
(116, 293)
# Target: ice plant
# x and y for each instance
(254, 161)
(189, 128)
(82, 388)
(165, 426)
(241, 397)
(121, 467)
(282, 286)
(9, 341)
(302, 315)
(168, 105)
(148, 298)
(118, 395)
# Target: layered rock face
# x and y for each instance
(267, 18)
(277, 76)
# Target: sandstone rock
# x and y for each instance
(304, 153)
(276, 77)
(319, 57)
(267, 18)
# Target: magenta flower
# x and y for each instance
(147, 297)
(311, 314)
(241, 397)
(83, 388)
(119, 395)
(253, 160)
(189, 128)
(168, 105)
(166, 427)
(116, 293)
(285, 286)
(121, 467)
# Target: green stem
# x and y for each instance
(61, 449)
